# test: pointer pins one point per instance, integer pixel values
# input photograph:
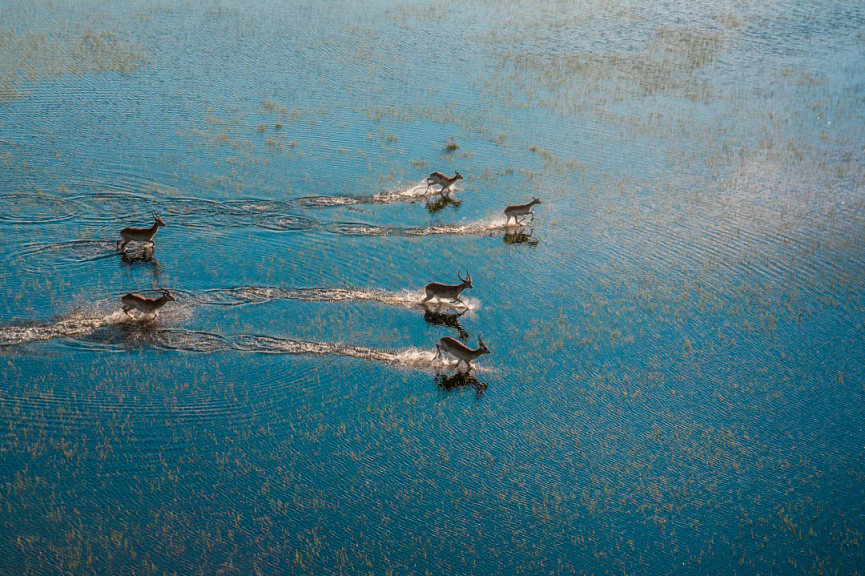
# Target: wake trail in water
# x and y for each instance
(90, 333)
(74, 325)
(101, 328)
(102, 321)
(246, 295)
(409, 194)
(410, 358)
(74, 252)
(85, 323)
(121, 208)
(480, 228)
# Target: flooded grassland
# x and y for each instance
(676, 380)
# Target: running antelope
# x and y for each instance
(460, 351)
(144, 304)
(516, 210)
(444, 181)
(449, 291)
(139, 234)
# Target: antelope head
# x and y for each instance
(457, 176)
(482, 347)
(536, 200)
(467, 280)
(167, 295)
(158, 220)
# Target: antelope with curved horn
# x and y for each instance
(449, 291)
(516, 210)
(145, 305)
(130, 234)
(460, 351)
(442, 180)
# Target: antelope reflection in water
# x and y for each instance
(518, 235)
(143, 253)
(443, 202)
(449, 383)
(435, 316)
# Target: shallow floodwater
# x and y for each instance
(676, 382)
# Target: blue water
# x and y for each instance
(676, 381)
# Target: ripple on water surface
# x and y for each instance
(24, 208)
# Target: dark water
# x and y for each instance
(676, 381)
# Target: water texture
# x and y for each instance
(676, 381)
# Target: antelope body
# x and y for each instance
(144, 304)
(130, 234)
(442, 180)
(460, 351)
(449, 291)
(516, 210)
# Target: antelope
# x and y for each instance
(451, 291)
(460, 351)
(442, 180)
(516, 210)
(144, 304)
(139, 234)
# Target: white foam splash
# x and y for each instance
(418, 190)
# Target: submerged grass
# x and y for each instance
(31, 56)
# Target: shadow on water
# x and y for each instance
(451, 382)
(518, 235)
(435, 316)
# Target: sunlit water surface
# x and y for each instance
(676, 381)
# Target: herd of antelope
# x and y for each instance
(148, 308)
